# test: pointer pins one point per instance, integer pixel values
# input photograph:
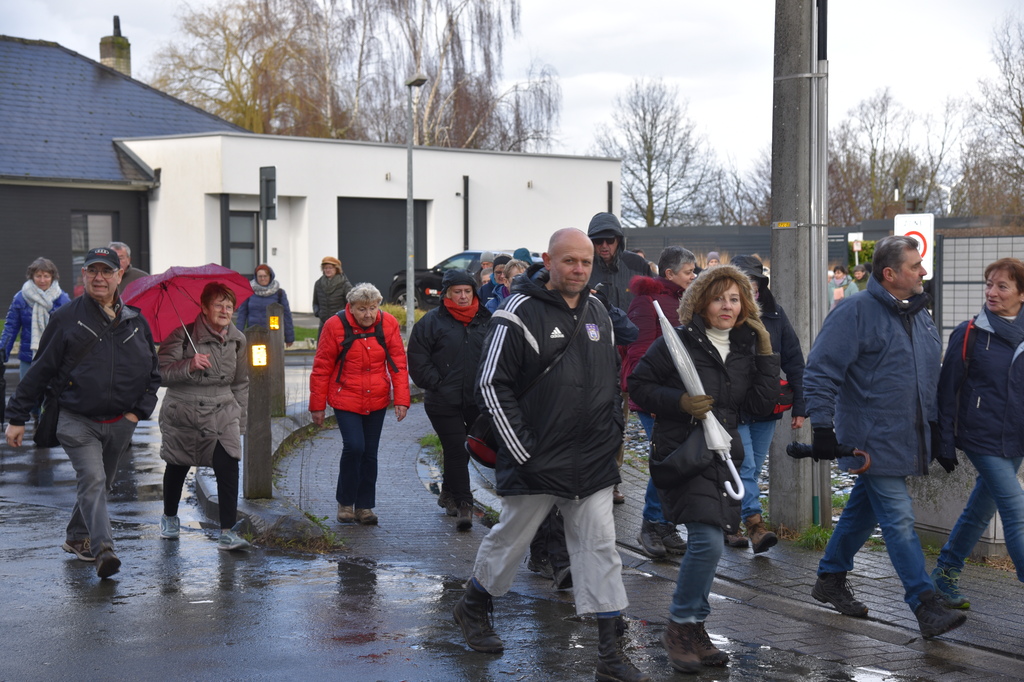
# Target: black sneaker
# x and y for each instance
(107, 563)
(650, 540)
(934, 618)
(541, 567)
(835, 589)
(563, 578)
(670, 538)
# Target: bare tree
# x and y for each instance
(745, 198)
(666, 163)
(1002, 105)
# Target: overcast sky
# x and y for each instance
(718, 53)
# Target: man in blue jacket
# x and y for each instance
(871, 383)
(103, 395)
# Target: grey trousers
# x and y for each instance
(95, 450)
(589, 534)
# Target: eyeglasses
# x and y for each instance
(105, 273)
(604, 240)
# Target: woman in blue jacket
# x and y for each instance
(30, 310)
(254, 310)
(981, 398)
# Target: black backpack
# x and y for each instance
(351, 337)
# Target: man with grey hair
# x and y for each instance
(871, 383)
(124, 256)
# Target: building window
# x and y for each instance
(88, 231)
(242, 226)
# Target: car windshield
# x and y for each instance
(461, 262)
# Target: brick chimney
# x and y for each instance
(116, 51)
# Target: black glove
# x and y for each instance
(602, 297)
(824, 443)
(947, 463)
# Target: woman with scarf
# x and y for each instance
(840, 285)
(30, 311)
(444, 352)
(981, 399)
(330, 291)
(253, 310)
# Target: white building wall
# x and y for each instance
(514, 199)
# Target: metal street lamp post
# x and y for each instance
(410, 237)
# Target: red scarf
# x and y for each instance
(463, 315)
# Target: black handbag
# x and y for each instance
(685, 462)
(481, 441)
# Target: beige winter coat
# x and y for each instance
(202, 408)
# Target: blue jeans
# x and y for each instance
(652, 503)
(757, 438)
(95, 450)
(883, 501)
(357, 477)
(996, 488)
(696, 573)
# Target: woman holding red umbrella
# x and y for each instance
(203, 365)
(359, 365)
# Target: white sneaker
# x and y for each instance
(229, 540)
(170, 527)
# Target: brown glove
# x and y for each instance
(697, 406)
(764, 339)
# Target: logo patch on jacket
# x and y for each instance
(556, 333)
(594, 332)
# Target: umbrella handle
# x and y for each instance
(737, 492)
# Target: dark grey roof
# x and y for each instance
(60, 112)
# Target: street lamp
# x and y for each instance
(410, 237)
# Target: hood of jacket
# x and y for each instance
(707, 280)
(607, 225)
(753, 268)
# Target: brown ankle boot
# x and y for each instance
(760, 537)
(681, 644)
(706, 649)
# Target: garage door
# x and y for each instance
(371, 238)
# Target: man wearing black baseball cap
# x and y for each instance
(98, 353)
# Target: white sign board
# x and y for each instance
(920, 226)
(855, 236)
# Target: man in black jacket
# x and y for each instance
(557, 444)
(103, 395)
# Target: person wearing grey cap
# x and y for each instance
(99, 354)
(860, 277)
(712, 259)
(486, 264)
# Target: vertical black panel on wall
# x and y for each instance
(225, 229)
(465, 212)
(140, 257)
(371, 239)
(610, 194)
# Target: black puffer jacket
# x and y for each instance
(119, 374)
(444, 355)
(560, 438)
(624, 265)
(745, 381)
(785, 342)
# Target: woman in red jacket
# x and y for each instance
(359, 367)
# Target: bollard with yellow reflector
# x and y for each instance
(275, 322)
(257, 471)
(259, 355)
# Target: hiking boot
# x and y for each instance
(947, 585)
(473, 614)
(563, 578)
(709, 654)
(612, 663)
(346, 514)
(934, 618)
(107, 563)
(680, 642)
(230, 540)
(447, 501)
(835, 589)
(366, 517)
(465, 521)
(170, 527)
(80, 548)
(650, 540)
(670, 538)
(760, 537)
(736, 540)
(617, 497)
(540, 566)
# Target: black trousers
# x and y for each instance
(451, 423)
(225, 468)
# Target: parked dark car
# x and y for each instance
(428, 282)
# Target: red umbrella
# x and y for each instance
(170, 299)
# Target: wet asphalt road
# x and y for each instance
(182, 610)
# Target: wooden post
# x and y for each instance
(256, 464)
(275, 355)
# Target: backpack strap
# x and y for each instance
(966, 353)
(351, 336)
